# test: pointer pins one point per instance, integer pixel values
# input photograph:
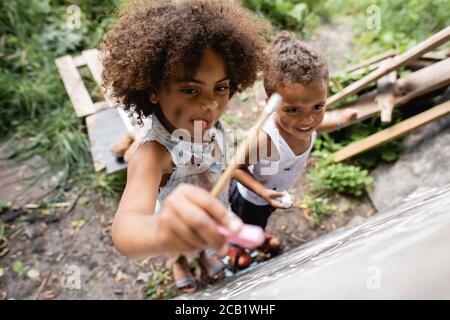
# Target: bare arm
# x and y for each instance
(188, 219)
(243, 176)
(332, 123)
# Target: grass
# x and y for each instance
(36, 111)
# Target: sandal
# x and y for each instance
(239, 258)
(214, 268)
(186, 284)
(271, 245)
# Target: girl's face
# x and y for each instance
(201, 100)
(303, 107)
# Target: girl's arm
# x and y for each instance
(331, 123)
(187, 222)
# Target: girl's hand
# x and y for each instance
(271, 196)
(188, 219)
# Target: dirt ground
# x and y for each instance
(67, 252)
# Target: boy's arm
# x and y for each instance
(335, 123)
(243, 176)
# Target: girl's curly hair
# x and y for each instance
(294, 61)
(155, 40)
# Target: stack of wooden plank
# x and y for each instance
(432, 72)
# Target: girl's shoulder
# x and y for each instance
(151, 156)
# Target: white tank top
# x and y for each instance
(277, 175)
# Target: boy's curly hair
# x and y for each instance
(294, 61)
(155, 40)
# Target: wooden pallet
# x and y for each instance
(405, 89)
(106, 122)
(393, 132)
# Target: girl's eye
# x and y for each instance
(318, 106)
(222, 89)
(190, 91)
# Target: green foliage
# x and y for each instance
(160, 286)
(296, 15)
(319, 207)
(405, 23)
(19, 267)
(35, 107)
(339, 177)
(4, 206)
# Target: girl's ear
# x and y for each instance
(153, 98)
(266, 99)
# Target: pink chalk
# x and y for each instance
(248, 236)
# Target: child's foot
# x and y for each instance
(184, 280)
(213, 266)
(239, 258)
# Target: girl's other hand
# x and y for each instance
(188, 221)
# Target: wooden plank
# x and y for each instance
(105, 128)
(393, 132)
(94, 65)
(101, 105)
(373, 60)
(78, 94)
(437, 55)
(397, 62)
(79, 61)
(411, 86)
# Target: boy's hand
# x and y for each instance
(188, 220)
(271, 196)
(349, 115)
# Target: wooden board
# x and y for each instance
(78, 94)
(398, 61)
(411, 86)
(105, 128)
(93, 63)
(393, 132)
(372, 61)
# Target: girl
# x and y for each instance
(179, 62)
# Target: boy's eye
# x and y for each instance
(291, 109)
(190, 91)
(318, 106)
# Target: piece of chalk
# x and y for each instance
(286, 200)
(248, 236)
(273, 103)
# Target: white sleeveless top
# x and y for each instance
(279, 175)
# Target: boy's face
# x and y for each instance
(202, 99)
(303, 107)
